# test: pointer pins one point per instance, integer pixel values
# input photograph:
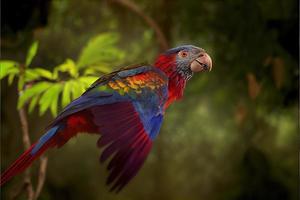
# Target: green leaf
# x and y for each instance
(68, 66)
(100, 49)
(37, 73)
(21, 83)
(12, 73)
(31, 75)
(8, 67)
(90, 71)
(49, 97)
(97, 69)
(77, 89)
(54, 102)
(33, 91)
(66, 94)
(33, 103)
(87, 80)
(43, 73)
(11, 78)
(31, 53)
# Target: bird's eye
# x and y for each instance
(183, 54)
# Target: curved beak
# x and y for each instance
(202, 63)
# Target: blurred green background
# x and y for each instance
(232, 137)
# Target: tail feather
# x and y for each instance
(13, 169)
(28, 157)
(78, 122)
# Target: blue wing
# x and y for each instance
(149, 102)
(127, 106)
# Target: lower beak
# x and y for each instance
(202, 63)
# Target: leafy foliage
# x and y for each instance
(31, 53)
(8, 68)
(101, 50)
(50, 89)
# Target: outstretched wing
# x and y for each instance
(135, 83)
(125, 139)
(127, 108)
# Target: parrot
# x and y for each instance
(126, 109)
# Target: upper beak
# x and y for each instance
(202, 63)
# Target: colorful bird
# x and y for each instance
(126, 108)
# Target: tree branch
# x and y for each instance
(136, 9)
(42, 176)
(26, 142)
(27, 184)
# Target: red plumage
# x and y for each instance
(74, 124)
(124, 137)
(166, 62)
(23, 162)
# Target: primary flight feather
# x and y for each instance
(126, 108)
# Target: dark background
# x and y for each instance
(233, 136)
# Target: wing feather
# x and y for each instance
(124, 143)
(126, 107)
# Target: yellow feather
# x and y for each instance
(133, 86)
(113, 85)
(151, 86)
(138, 82)
(120, 83)
(126, 89)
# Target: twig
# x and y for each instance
(26, 143)
(134, 8)
(42, 176)
(24, 125)
(32, 195)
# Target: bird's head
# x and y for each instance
(179, 64)
(183, 61)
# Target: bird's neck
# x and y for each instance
(175, 89)
(176, 83)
